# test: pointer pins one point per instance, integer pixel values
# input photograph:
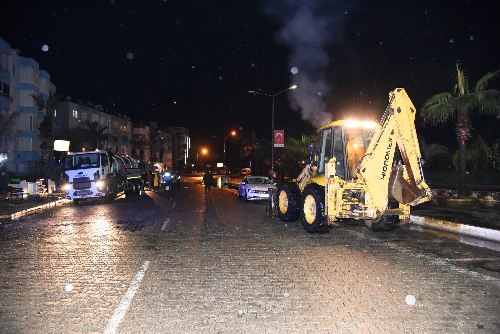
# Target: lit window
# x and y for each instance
(75, 113)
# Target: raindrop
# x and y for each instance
(452, 40)
(410, 300)
(240, 313)
(45, 48)
(69, 287)
(175, 102)
(286, 295)
(471, 38)
(130, 56)
(253, 64)
(294, 70)
(220, 77)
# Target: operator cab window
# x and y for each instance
(338, 152)
(331, 145)
(325, 149)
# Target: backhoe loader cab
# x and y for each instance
(352, 175)
(347, 142)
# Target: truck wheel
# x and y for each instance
(384, 223)
(313, 207)
(288, 202)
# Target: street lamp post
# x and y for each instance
(272, 117)
(232, 134)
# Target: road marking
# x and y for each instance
(122, 309)
(165, 223)
(173, 205)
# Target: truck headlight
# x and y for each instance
(99, 184)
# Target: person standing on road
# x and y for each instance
(156, 181)
(207, 180)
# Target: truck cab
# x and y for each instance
(87, 174)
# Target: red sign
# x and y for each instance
(279, 138)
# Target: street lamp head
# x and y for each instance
(293, 87)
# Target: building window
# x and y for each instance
(75, 113)
(55, 113)
(123, 127)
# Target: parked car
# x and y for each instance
(255, 187)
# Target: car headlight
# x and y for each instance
(66, 187)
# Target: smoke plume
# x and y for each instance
(309, 27)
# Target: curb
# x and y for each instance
(29, 211)
(443, 225)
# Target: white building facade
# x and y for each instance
(21, 78)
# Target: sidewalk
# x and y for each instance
(477, 215)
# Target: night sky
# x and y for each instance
(191, 63)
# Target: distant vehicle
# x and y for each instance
(169, 178)
(255, 187)
(246, 171)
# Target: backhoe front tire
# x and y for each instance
(313, 208)
(289, 200)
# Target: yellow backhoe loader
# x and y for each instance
(352, 174)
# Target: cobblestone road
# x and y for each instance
(183, 262)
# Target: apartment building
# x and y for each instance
(21, 78)
(181, 143)
(70, 115)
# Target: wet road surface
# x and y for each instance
(184, 262)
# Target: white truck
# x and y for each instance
(100, 174)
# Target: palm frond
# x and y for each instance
(485, 81)
(488, 101)
(438, 109)
(463, 102)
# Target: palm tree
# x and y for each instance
(46, 127)
(443, 107)
(7, 121)
(98, 132)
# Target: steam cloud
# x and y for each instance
(309, 27)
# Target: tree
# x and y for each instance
(458, 105)
(98, 132)
(46, 128)
(295, 152)
(7, 121)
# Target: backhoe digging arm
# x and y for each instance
(402, 183)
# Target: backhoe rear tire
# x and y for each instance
(313, 208)
(289, 200)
